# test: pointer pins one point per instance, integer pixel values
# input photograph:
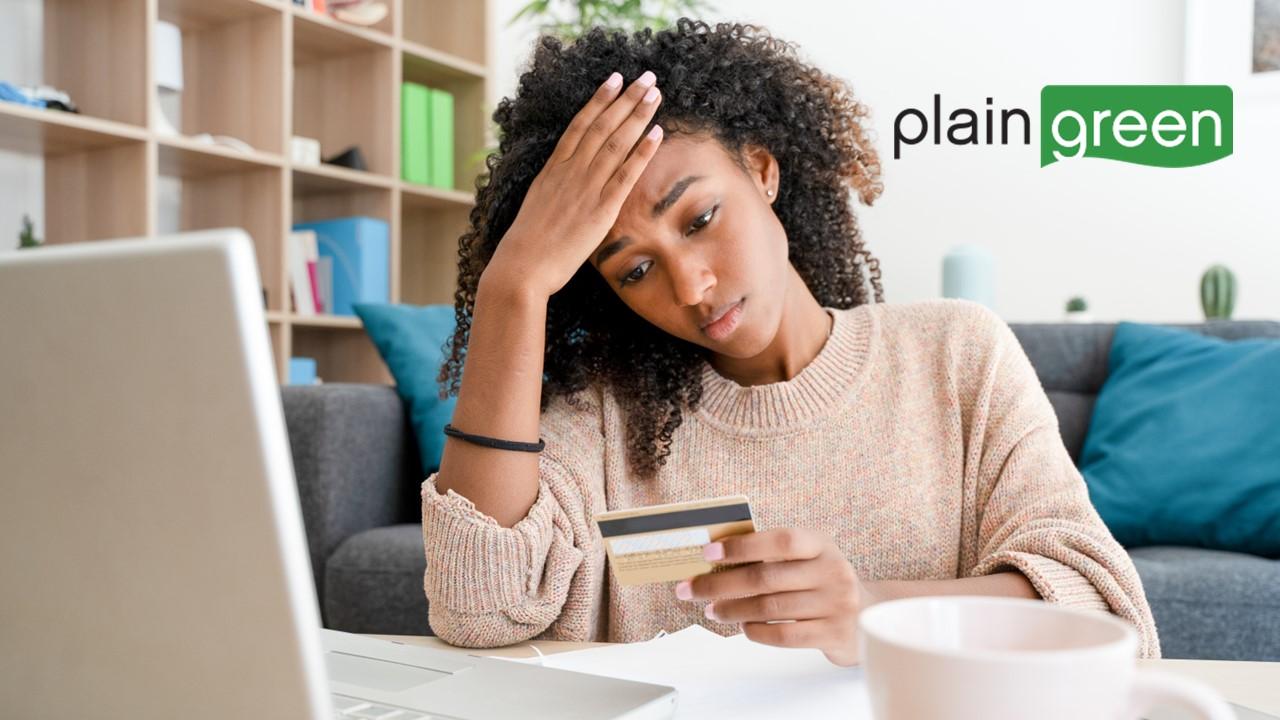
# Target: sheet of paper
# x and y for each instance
(731, 677)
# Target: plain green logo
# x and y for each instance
(1158, 125)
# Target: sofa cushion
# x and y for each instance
(411, 341)
(1071, 362)
(1211, 604)
(373, 583)
(1182, 448)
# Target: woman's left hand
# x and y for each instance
(792, 574)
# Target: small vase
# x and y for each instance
(1081, 316)
(969, 272)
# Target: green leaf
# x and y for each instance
(536, 7)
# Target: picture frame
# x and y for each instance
(1219, 46)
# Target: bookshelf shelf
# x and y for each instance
(332, 178)
(107, 80)
(223, 193)
(469, 112)
(382, 32)
(428, 63)
(184, 157)
(318, 205)
(233, 59)
(317, 37)
(198, 15)
(340, 353)
(99, 193)
(37, 131)
(260, 71)
(348, 99)
(426, 197)
(454, 28)
(340, 322)
(281, 340)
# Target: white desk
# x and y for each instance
(1252, 684)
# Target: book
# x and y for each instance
(414, 133)
(440, 120)
(324, 273)
(312, 250)
(360, 249)
(300, 287)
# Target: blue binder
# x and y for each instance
(360, 248)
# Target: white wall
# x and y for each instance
(1131, 239)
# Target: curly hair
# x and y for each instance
(734, 82)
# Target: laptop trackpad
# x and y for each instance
(378, 674)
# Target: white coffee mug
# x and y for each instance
(988, 658)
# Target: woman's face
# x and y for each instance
(695, 237)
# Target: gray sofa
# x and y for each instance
(359, 473)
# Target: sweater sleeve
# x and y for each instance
(487, 585)
(1029, 505)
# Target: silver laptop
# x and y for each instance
(152, 556)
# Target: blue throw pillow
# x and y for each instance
(1184, 444)
(411, 340)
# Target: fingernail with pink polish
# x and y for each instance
(710, 611)
(684, 590)
(713, 552)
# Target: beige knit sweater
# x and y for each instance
(919, 438)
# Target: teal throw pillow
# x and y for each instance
(1184, 444)
(411, 340)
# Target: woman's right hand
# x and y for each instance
(577, 195)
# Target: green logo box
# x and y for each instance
(1159, 125)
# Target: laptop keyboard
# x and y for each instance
(348, 707)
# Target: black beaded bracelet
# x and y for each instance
(452, 431)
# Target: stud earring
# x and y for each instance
(770, 193)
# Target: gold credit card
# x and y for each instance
(663, 543)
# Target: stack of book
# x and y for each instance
(308, 288)
(351, 258)
(426, 143)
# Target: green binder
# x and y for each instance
(441, 124)
(415, 133)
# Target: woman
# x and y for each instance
(664, 281)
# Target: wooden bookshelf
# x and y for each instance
(261, 71)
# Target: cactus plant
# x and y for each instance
(27, 238)
(1077, 311)
(1218, 292)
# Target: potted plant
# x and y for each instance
(1218, 293)
(27, 238)
(1077, 311)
